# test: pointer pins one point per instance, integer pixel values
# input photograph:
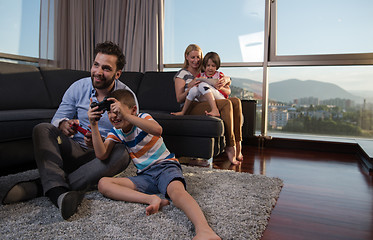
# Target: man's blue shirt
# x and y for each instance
(75, 105)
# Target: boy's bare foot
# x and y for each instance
(206, 234)
(156, 204)
(178, 113)
(213, 113)
(231, 153)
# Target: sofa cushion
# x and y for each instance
(157, 92)
(189, 125)
(132, 80)
(22, 87)
(18, 124)
(57, 81)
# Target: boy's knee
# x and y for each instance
(176, 189)
(102, 184)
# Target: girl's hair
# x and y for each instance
(124, 96)
(214, 58)
(189, 49)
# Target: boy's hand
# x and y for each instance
(88, 139)
(116, 107)
(93, 114)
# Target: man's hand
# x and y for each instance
(65, 127)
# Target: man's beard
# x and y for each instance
(104, 84)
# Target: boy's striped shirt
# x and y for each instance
(145, 149)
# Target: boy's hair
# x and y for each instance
(124, 96)
(111, 48)
(214, 58)
(189, 49)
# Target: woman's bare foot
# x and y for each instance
(239, 155)
(156, 204)
(231, 153)
(214, 113)
(178, 113)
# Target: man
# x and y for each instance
(65, 158)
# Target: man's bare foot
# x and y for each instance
(231, 153)
(213, 113)
(206, 234)
(156, 204)
(177, 113)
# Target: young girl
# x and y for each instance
(205, 90)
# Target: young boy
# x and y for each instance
(158, 171)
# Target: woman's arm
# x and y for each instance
(180, 90)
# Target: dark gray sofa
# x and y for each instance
(30, 95)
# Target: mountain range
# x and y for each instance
(290, 89)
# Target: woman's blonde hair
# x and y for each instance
(189, 49)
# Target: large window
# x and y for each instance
(324, 27)
(233, 29)
(320, 58)
(20, 27)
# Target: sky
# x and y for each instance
(234, 29)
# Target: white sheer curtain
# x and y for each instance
(78, 25)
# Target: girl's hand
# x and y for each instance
(222, 82)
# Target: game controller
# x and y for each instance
(79, 128)
(104, 105)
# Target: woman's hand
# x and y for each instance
(193, 83)
(180, 90)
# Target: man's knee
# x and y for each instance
(42, 127)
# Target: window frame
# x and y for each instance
(272, 60)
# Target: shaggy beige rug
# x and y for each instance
(236, 205)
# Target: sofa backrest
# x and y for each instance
(22, 87)
(57, 81)
(132, 80)
(157, 92)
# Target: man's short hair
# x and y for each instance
(124, 96)
(111, 48)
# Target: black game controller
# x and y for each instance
(104, 105)
(79, 128)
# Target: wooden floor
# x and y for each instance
(325, 195)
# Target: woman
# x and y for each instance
(230, 109)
